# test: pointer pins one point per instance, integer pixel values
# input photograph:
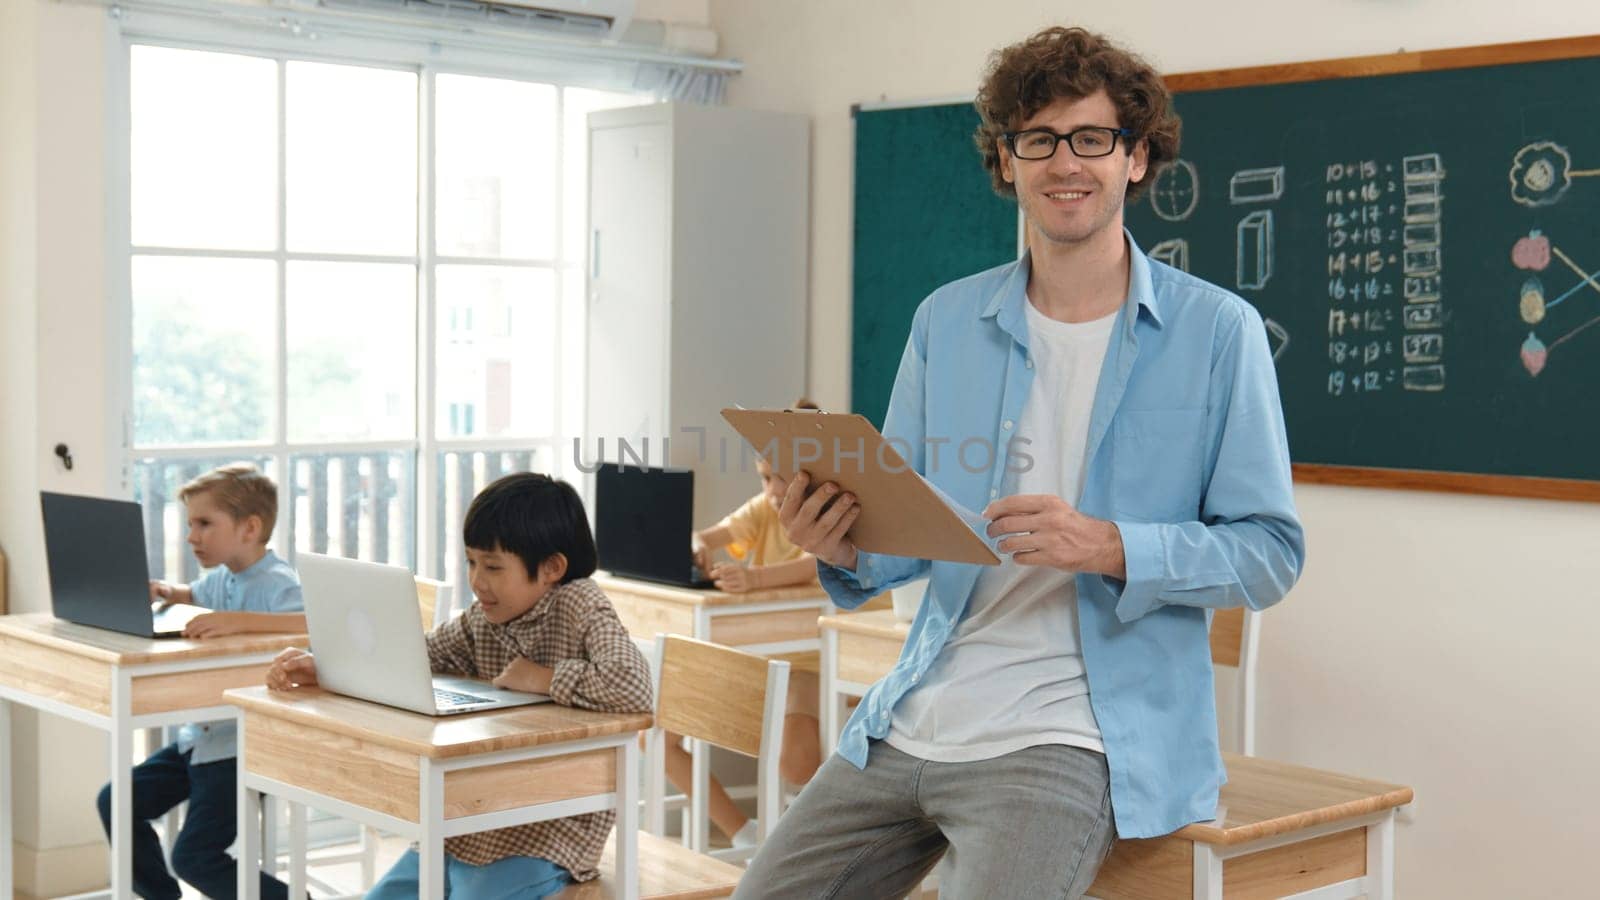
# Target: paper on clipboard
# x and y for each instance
(902, 514)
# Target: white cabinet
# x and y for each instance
(698, 221)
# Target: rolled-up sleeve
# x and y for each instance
(1248, 547)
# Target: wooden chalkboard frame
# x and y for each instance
(1399, 64)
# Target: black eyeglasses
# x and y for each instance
(1088, 142)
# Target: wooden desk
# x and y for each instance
(857, 649)
(427, 778)
(1281, 830)
(774, 622)
(120, 684)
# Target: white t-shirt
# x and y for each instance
(1011, 676)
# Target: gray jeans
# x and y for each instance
(1030, 825)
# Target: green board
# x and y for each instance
(1421, 245)
(924, 215)
(1374, 221)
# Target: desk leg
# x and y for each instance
(627, 873)
(249, 835)
(655, 782)
(1380, 859)
(6, 830)
(430, 849)
(1207, 873)
(831, 703)
(297, 849)
(121, 787)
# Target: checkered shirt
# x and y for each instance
(574, 631)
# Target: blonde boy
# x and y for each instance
(231, 513)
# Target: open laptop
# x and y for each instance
(643, 517)
(366, 635)
(99, 574)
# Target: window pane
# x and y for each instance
(156, 482)
(352, 166)
(204, 149)
(357, 505)
(352, 351)
(496, 357)
(576, 106)
(461, 476)
(203, 342)
(496, 146)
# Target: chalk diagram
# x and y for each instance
(1173, 251)
(1541, 172)
(1277, 338)
(1253, 260)
(1255, 185)
(1176, 191)
(1533, 253)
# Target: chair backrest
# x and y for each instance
(433, 602)
(727, 698)
(1235, 640)
(719, 695)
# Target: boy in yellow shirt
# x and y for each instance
(752, 532)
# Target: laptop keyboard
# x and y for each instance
(444, 699)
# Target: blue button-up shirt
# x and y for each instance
(269, 586)
(1186, 454)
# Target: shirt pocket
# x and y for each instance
(1156, 463)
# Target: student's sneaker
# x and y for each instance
(745, 837)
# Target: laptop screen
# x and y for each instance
(99, 574)
(642, 519)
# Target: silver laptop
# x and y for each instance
(99, 575)
(367, 637)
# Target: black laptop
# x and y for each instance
(643, 517)
(99, 575)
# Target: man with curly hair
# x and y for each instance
(1046, 706)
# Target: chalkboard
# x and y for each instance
(924, 215)
(1419, 232)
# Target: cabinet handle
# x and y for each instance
(594, 255)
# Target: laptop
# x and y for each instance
(99, 574)
(643, 518)
(368, 641)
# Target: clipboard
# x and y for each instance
(901, 513)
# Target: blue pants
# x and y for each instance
(200, 854)
(512, 878)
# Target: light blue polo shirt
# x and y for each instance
(269, 586)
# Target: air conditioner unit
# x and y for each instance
(600, 19)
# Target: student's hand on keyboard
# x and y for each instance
(161, 593)
(212, 625)
(293, 667)
(523, 674)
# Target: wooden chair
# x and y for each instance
(1235, 642)
(722, 697)
(717, 696)
(1281, 830)
(667, 871)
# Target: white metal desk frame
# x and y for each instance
(432, 828)
(121, 724)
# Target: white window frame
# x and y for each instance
(192, 33)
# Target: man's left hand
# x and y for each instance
(1047, 531)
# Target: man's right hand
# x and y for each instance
(293, 667)
(816, 522)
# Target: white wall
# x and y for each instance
(1439, 641)
(56, 377)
